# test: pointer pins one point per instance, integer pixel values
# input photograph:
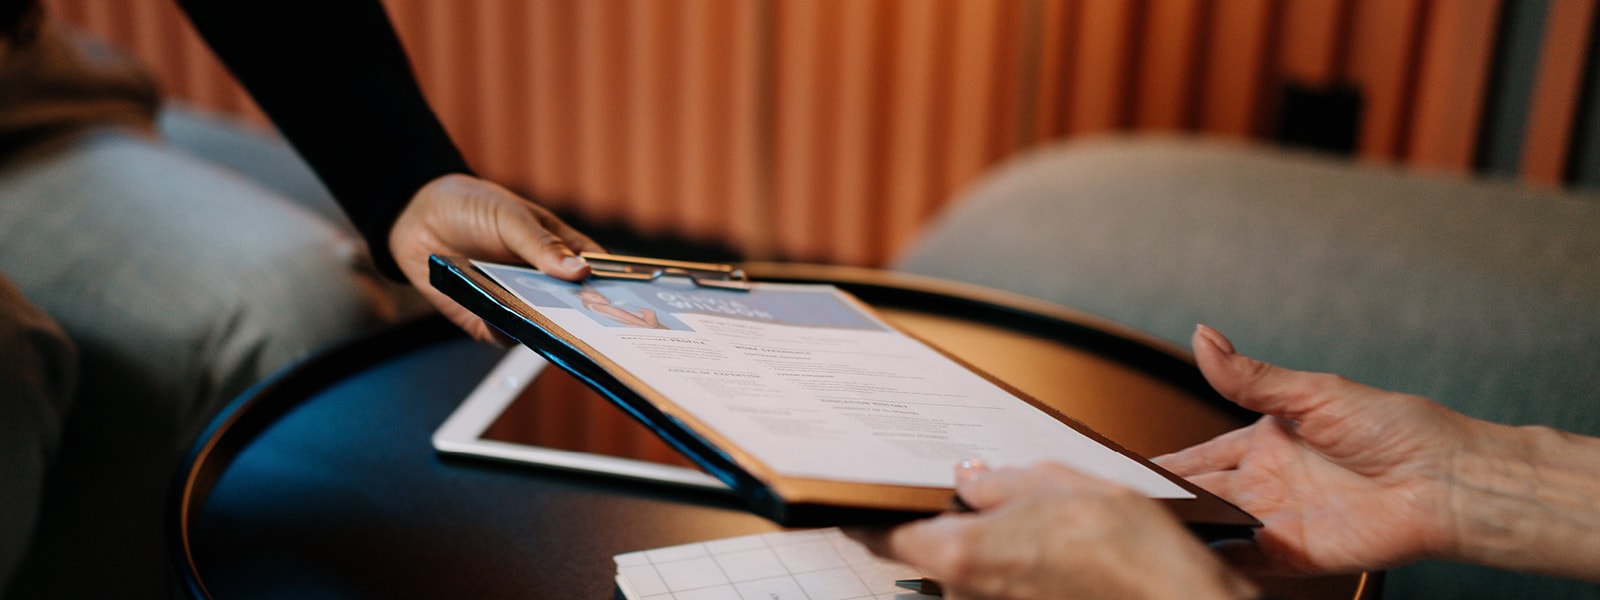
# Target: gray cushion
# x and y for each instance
(1481, 295)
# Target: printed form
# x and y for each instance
(812, 383)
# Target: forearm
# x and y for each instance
(1528, 499)
(336, 81)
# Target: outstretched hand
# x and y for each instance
(1344, 477)
(1049, 531)
(460, 215)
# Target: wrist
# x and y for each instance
(1523, 500)
(1484, 479)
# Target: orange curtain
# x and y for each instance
(830, 130)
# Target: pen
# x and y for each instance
(924, 586)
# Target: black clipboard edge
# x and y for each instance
(460, 280)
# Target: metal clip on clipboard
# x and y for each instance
(712, 275)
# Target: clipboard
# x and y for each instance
(786, 500)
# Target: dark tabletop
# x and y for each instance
(322, 482)
(294, 515)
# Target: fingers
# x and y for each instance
(484, 220)
(544, 240)
(1229, 372)
(970, 469)
(1217, 454)
(574, 239)
(919, 543)
(462, 215)
(982, 491)
(871, 537)
(1221, 483)
(526, 236)
(989, 489)
(1213, 338)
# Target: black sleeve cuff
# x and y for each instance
(334, 78)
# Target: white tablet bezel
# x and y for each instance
(462, 433)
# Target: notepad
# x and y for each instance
(814, 564)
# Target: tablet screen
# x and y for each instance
(527, 413)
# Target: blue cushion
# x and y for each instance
(1482, 295)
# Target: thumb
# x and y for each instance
(1253, 384)
(535, 235)
(993, 488)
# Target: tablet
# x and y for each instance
(523, 412)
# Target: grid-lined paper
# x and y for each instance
(816, 564)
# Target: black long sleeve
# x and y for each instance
(334, 78)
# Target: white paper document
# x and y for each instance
(820, 564)
(813, 384)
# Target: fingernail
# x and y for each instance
(1215, 337)
(573, 263)
(969, 470)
